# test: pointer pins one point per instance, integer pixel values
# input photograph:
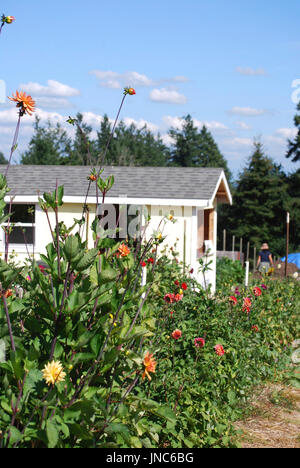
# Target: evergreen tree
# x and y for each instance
(3, 160)
(103, 136)
(139, 147)
(185, 147)
(294, 145)
(83, 151)
(196, 148)
(209, 154)
(293, 207)
(131, 146)
(259, 204)
(49, 145)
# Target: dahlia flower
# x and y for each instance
(53, 373)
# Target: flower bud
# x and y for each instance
(130, 91)
(8, 19)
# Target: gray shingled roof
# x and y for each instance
(134, 182)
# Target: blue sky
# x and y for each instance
(229, 64)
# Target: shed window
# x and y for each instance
(22, 223)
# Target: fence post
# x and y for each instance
(224, 240)
(254, 259)
(241, 250)
(233, 243)
(246, 273)
(144, 280)
(287, 242)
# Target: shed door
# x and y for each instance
(209, 225)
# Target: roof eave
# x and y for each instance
(228, 195)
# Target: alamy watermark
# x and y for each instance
(123, 221)
(2, 91)
(2, 351)
(295, 97)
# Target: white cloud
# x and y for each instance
(175, 79)
(213, 125)
(170, 96)
(243, 125)
(175, 122)
(115, 80)
(237, 142)
(110, 79)
(53, 102)
(92, 119)
(167, 139)
(141, 123)
(53, 88)
(289, 133)
(178, 122)
(53, 117)
(10, 116)
(248, 111)
(248, 71)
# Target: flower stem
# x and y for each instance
(9, 324)
(13, 147)
(111, 135)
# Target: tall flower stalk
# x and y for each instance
(95, 175)
(26, 105)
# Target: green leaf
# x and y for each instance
(49, 198)
(33, 377)
(6, 407)
(15, 435)
(87, 260)
(119, 429)
(108, 274)
(71, 247)
(60, 194)
(52, 434)
(82, 357)
(135, 442)
(166, 413)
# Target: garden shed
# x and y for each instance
(191, 195)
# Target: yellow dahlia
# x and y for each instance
(53, 373)
(24, 101)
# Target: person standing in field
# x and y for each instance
(264, 259)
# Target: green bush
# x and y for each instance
(229, 273)
(77, 336)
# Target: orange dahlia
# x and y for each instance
(124, 250)
(150, 364)
(24, 102)
(176, 334)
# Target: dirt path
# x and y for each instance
(273, 418)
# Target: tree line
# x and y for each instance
(262, 191)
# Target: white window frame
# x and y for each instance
(22, 246)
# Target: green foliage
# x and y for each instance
(3, 160)
(132, 146)
(192, 147)
(205, 390)
(49, 145)
(229, 271)
(89, 313)
(294, 145)
(259, 205)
